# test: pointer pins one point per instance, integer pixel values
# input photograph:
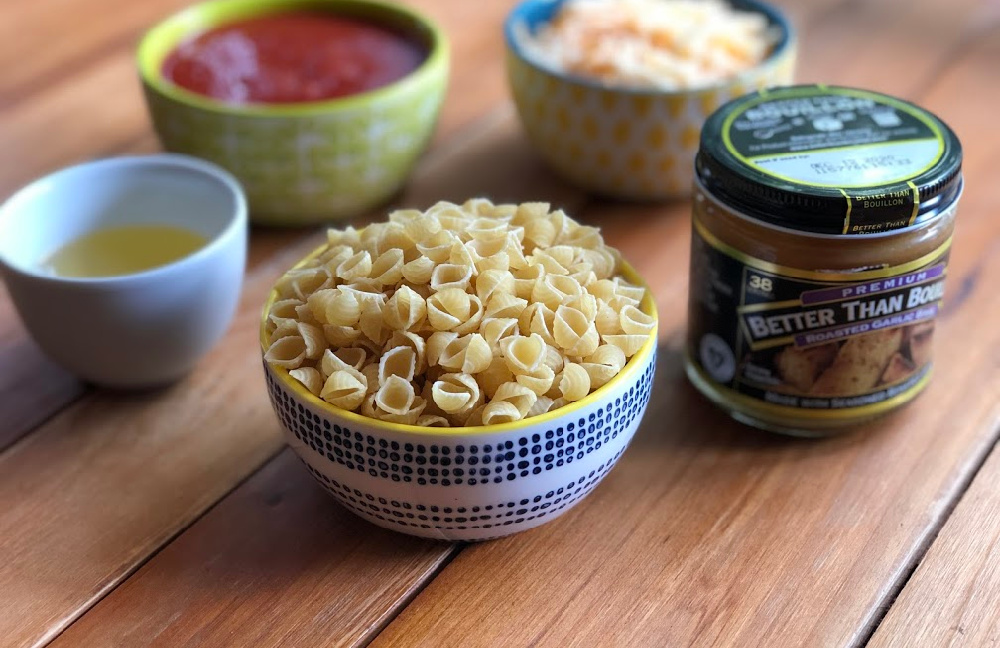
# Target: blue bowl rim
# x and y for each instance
(520, 14)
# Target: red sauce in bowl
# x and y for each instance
(292, 57)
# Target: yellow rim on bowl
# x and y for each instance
(161, 40)
(630, 368)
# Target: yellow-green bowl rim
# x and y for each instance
(630, 368)
(168, 33)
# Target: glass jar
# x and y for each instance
(822, 223)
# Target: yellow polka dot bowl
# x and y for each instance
(301, 163)
(630, 143)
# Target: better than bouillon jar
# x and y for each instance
(822, 221)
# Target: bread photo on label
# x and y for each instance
(859, 364)
(799, 368)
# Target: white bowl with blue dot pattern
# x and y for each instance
(472, 483)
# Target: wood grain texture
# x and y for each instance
(48, 120)
(708, 533)
(275, 564)
(725, 536)
(71, 547)
(953, 597)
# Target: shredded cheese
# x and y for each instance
(664, 44)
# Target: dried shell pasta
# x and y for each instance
(458, 315)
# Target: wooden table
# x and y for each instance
(175, 518)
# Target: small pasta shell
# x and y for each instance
(574, 333)
(284, 310)
(347, 236)
(335, 306)
(387, 269)
(288, 352)
(539, 381)
(554, 359)
(450, 275)
(515, 252)
(456, 393)
(525, 280)
(607, 320)
(413, 341)
(432, 420)
(633, 294)
(603, 289)
(395, 395)
(629, 344)
(370, 372)
(609, 355)
(358, 265)
(499, 412)
(419, 270)
(472, 418)
(494, 376)
(555, 290)
(493, 282)
(523, 354)
(539, 233)
(505, 305)
(635, 322)
(599, 374)
(400, 361)
(467, 354)
(419, 226)
(405, 310)
(340, 336)
(284, 329)
(438, 246)
(371, 322)
(529, 212)
(334, 256)
(584, 236)
(542, 405)
(448, 309)
(344, 389)
(574, 382)
(314, 340)
(309, 377)
(495, 329)
(586, 304)
(436, 344)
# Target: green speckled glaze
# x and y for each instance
(305, 162)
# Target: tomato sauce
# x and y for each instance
(292, 57)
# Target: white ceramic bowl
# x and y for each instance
(472, 483)
(138, 330)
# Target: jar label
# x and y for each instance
(867, 146)
(810, 344)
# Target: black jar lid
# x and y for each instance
(830, 160)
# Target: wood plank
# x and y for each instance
(178, 450)
(205, 548)
(726, 536)
(106, 70)
(275, 564)
(953, 596)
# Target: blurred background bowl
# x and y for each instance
(621, 142)
(473, 483)
(304, 162)
(137, 330)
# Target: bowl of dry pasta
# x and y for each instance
(464, 372)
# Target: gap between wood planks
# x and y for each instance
(922, 547)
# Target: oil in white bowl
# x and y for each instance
(123, 250)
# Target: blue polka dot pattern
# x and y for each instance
(471, 485)
(461, 518)
(461, 463)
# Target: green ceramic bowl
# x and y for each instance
(305, 162)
